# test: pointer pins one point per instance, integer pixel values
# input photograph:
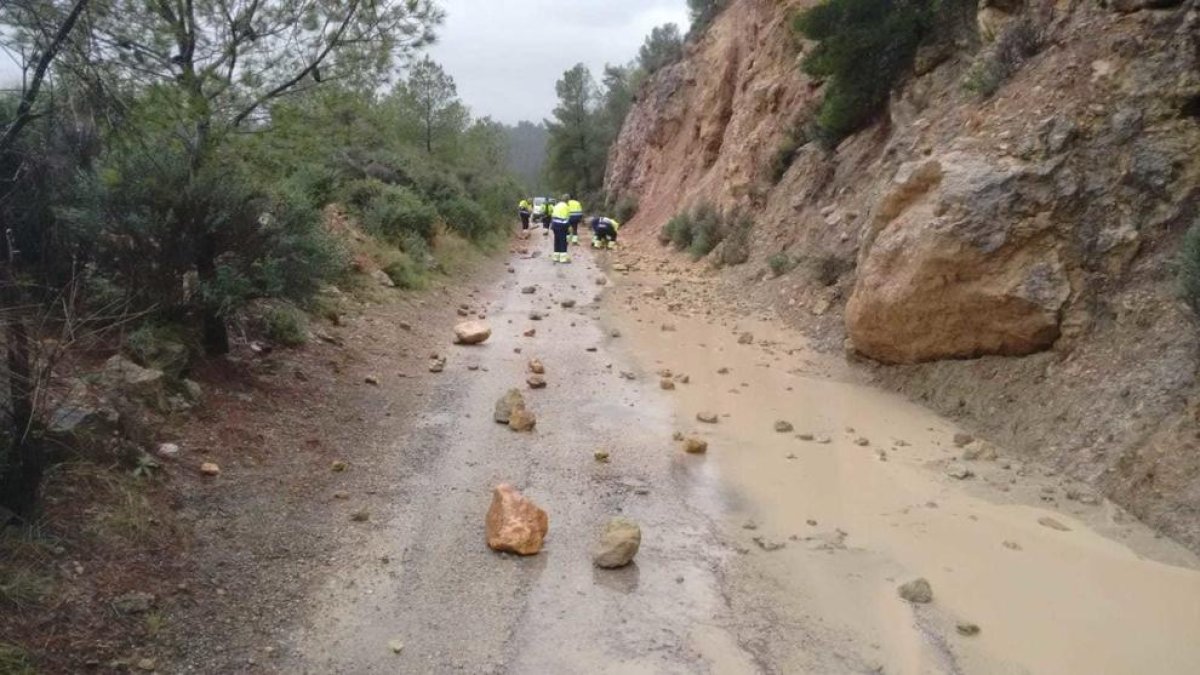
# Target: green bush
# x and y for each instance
(864, 46)
(1015, 45)
(626, 208)
(399, 211)
(780, 263)
(162, 346)
(1189, 267)
(785, 155)
(286, 325)
(404, 272)
(465, 217)
(708, 229)
(735, 249)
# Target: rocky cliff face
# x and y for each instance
(1011, 258)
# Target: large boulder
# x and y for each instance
(472, 332)
(133, 381)
(960, 261)
(618, 545)
(514, 523)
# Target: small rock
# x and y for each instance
(666, 384)
(677, 437)
(1047, 521)
(746, 339)
(536, 316)
(507, 404)
(148, 665)
(522, 420)
(862, 441)
(536, 367)
(783, 427)
(917, 591)
(166, 450)
(962, 440)
(683, 379)
(371, 380)
(530, 333)
(210, 469)
(338, 466)
(695, 446)
(769, 545)
(1012, 546)
(628, 375)
(668, 328)
(135, 602)
(536, 382)
(707, 417)
(472, 332)
(618, 544)
(567, 304)
(959, 472)
(514, 524)
(396, 646)
(967, 629)
(981, 451)
(722, 371)
(615, 333)
(600, 455)
(360, 516)
(529, 290)
(806, 437)
(437, 365)
(824, 440)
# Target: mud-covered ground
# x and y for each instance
(777, 551)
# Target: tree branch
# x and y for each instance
(29, 96)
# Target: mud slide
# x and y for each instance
(779, 551)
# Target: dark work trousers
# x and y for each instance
(606, 233)
(560, 236)
(546, 222)
(573, 224)
(524, 221)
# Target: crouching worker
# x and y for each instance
(604, 232)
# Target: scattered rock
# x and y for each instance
(507, 404)
(530, 333)
(967, 629)
(628, 375)
(210, 469)
(522, 420)
(959, 472)
(536, 367)
(707, 417)
(722, 371)
(529, 290)
(536, 382)
(615, 333)
(618, 544)
(437, 365)
(1047, 521)
(148, 665)
(536, 316)
(600, 455)
(746, 339)
(396, 646)
(666, 384)
(668, 328)
(862, 441)
(677, 436)
(166, 450)
(383, 279)
(806, 437)
(339, 466)
(472, 332)
(783, 427)
(567, 304)
(514, 523)
(962, 440)
(824, 440)
(695, 446)
(683, 379)
(768, 545)
(1012, 546)
(980, 451)
(360, 516)
(371, 380)
(917, 591)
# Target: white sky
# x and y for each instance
(506, 55)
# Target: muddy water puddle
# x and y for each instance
(833, 515)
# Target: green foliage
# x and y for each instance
(1189, 267)
(465, 217)
(577, 148)
(864, 46)
(786, 153)
(780, 263)
(700, 230)
(395, 211)
(286, 325)
(161, 345)
(1016, 44)
(702, 14)
(15, 661)
(404, 272)
(625, 209)
(663, 47)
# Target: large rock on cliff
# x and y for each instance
(961, 261)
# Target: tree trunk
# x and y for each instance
(216, 334)
(22, 469)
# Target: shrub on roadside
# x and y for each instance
(465, 217)
(626, 208)
(780, 263)
(397, 212)
(286, 325)
(735, 249)
(404, 272)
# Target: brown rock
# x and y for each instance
(536, 367)
(514, 523)
(707, 417)
(536, 382)
(522, 420)
(472, 332)
(210, 469)
(666, 384)
(510, 402)
(695, 446)
(618, 545)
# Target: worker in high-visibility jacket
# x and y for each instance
(560, 222)
(547, 216)
(604, 232)
(525, 211)
(576, 218)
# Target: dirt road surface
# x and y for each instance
(777, 552)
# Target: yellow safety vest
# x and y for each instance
(562, 212)
(576, 208)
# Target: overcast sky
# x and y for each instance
(506, 55)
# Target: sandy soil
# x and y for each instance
(769, 554)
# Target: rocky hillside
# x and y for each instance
(1010, 259)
